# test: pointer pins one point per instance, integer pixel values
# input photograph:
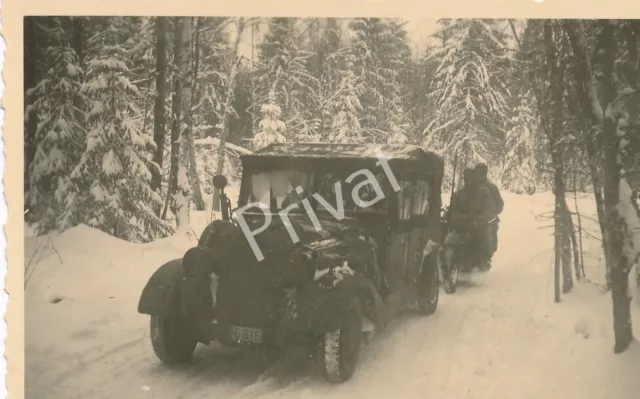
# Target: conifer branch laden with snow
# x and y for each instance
(345, 126)
(60, 136)
(518, 172)
(271, 127)
(398, 136)
(381, 52)
(111, 182)
(470, 96)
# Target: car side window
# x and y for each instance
(405, 197)
(413, 198)
(420, 202)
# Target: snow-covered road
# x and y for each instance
(499, 336)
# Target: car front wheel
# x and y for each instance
(428, 287)
(172, 339)
(341, 348)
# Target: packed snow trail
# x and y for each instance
(499, 336)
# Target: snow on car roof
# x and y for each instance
(326, 150)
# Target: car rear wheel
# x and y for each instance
(172, 339)
(341, 348)
(428, 287)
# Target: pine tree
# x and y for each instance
(284, 79)
(469, 92)
(59, 137)
(518, 171)
(212, 75)
(328, 65)
(271, 127)
(111, 182)
(382, 54)
(346, 108)
(398, 136)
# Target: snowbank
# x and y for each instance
(82, 298)
(499, 336)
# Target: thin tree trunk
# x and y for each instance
(579, 259)
(159, 117)
(228, 106)
(572, 245)
(593, 111)
(183, 192)
(556, 92)
(176, 103)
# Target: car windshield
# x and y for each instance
(276, 189)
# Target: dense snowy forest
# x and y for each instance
(114, 107)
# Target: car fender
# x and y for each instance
(318, 307)
(161, 294)
(432, 252)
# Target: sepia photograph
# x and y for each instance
(307, 207)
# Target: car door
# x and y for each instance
(419, 216)
(399, 254)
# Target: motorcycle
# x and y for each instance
(461, 249)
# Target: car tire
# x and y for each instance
(341, 348)
(428, 287)
(172, 340)
(449, 264)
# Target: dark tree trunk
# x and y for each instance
(616, 224)
(228, 108)
(183, 191)
(193, 167)
(176, 118)
(588, 98)
(30, 81)
(78, 40)
(159, 119)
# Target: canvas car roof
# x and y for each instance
(396, 153)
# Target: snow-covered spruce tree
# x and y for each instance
(398, 135)
(346, 109)
(381, 53)
(518, 170)
(111, 182)
(59, 137)
(211, 75)
(397, 58)
(469, 94)
(327, 65)
(271, 127)
(283, 77)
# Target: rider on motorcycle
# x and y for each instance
(472, 209)
(482, 171)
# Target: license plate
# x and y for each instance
(246, 335)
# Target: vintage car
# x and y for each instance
(327, 244)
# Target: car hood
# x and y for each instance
(340, 244)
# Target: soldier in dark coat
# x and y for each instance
(482, 171)
(472, 209)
